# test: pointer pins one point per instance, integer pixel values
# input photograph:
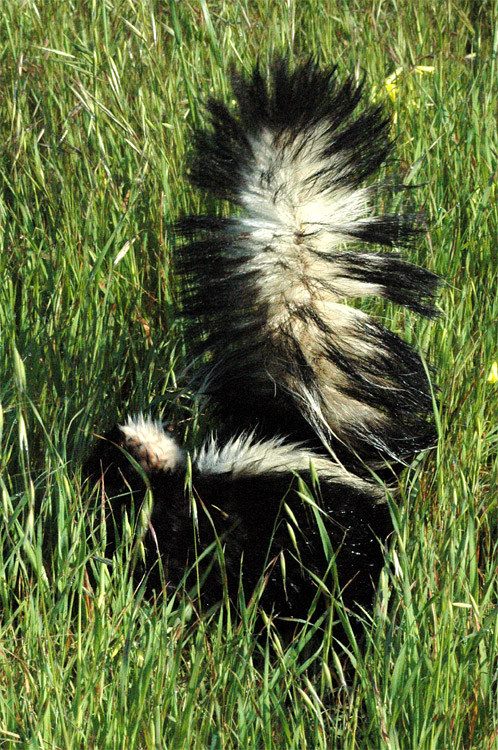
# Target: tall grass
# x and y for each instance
(98, 103)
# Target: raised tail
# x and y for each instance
(266, 290)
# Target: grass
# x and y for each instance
(98, 104)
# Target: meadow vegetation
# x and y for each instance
(99, 100)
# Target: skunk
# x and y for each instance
(312, 399)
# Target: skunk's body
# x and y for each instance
(301, 383)
(245, 501)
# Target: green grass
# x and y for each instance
(98, 104)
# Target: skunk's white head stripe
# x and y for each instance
(152, 447)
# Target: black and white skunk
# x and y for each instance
(304, 388)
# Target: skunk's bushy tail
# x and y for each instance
(266, 290)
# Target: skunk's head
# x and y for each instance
(130, 455)
(153, 448)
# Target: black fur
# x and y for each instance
(264, 527)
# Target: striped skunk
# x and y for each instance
(304, 388)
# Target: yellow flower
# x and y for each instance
(493, 374)
(391, 82)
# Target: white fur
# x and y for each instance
(244, 455)
(152, 447)
(156, 450)
(294, 211)
(297, 222)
